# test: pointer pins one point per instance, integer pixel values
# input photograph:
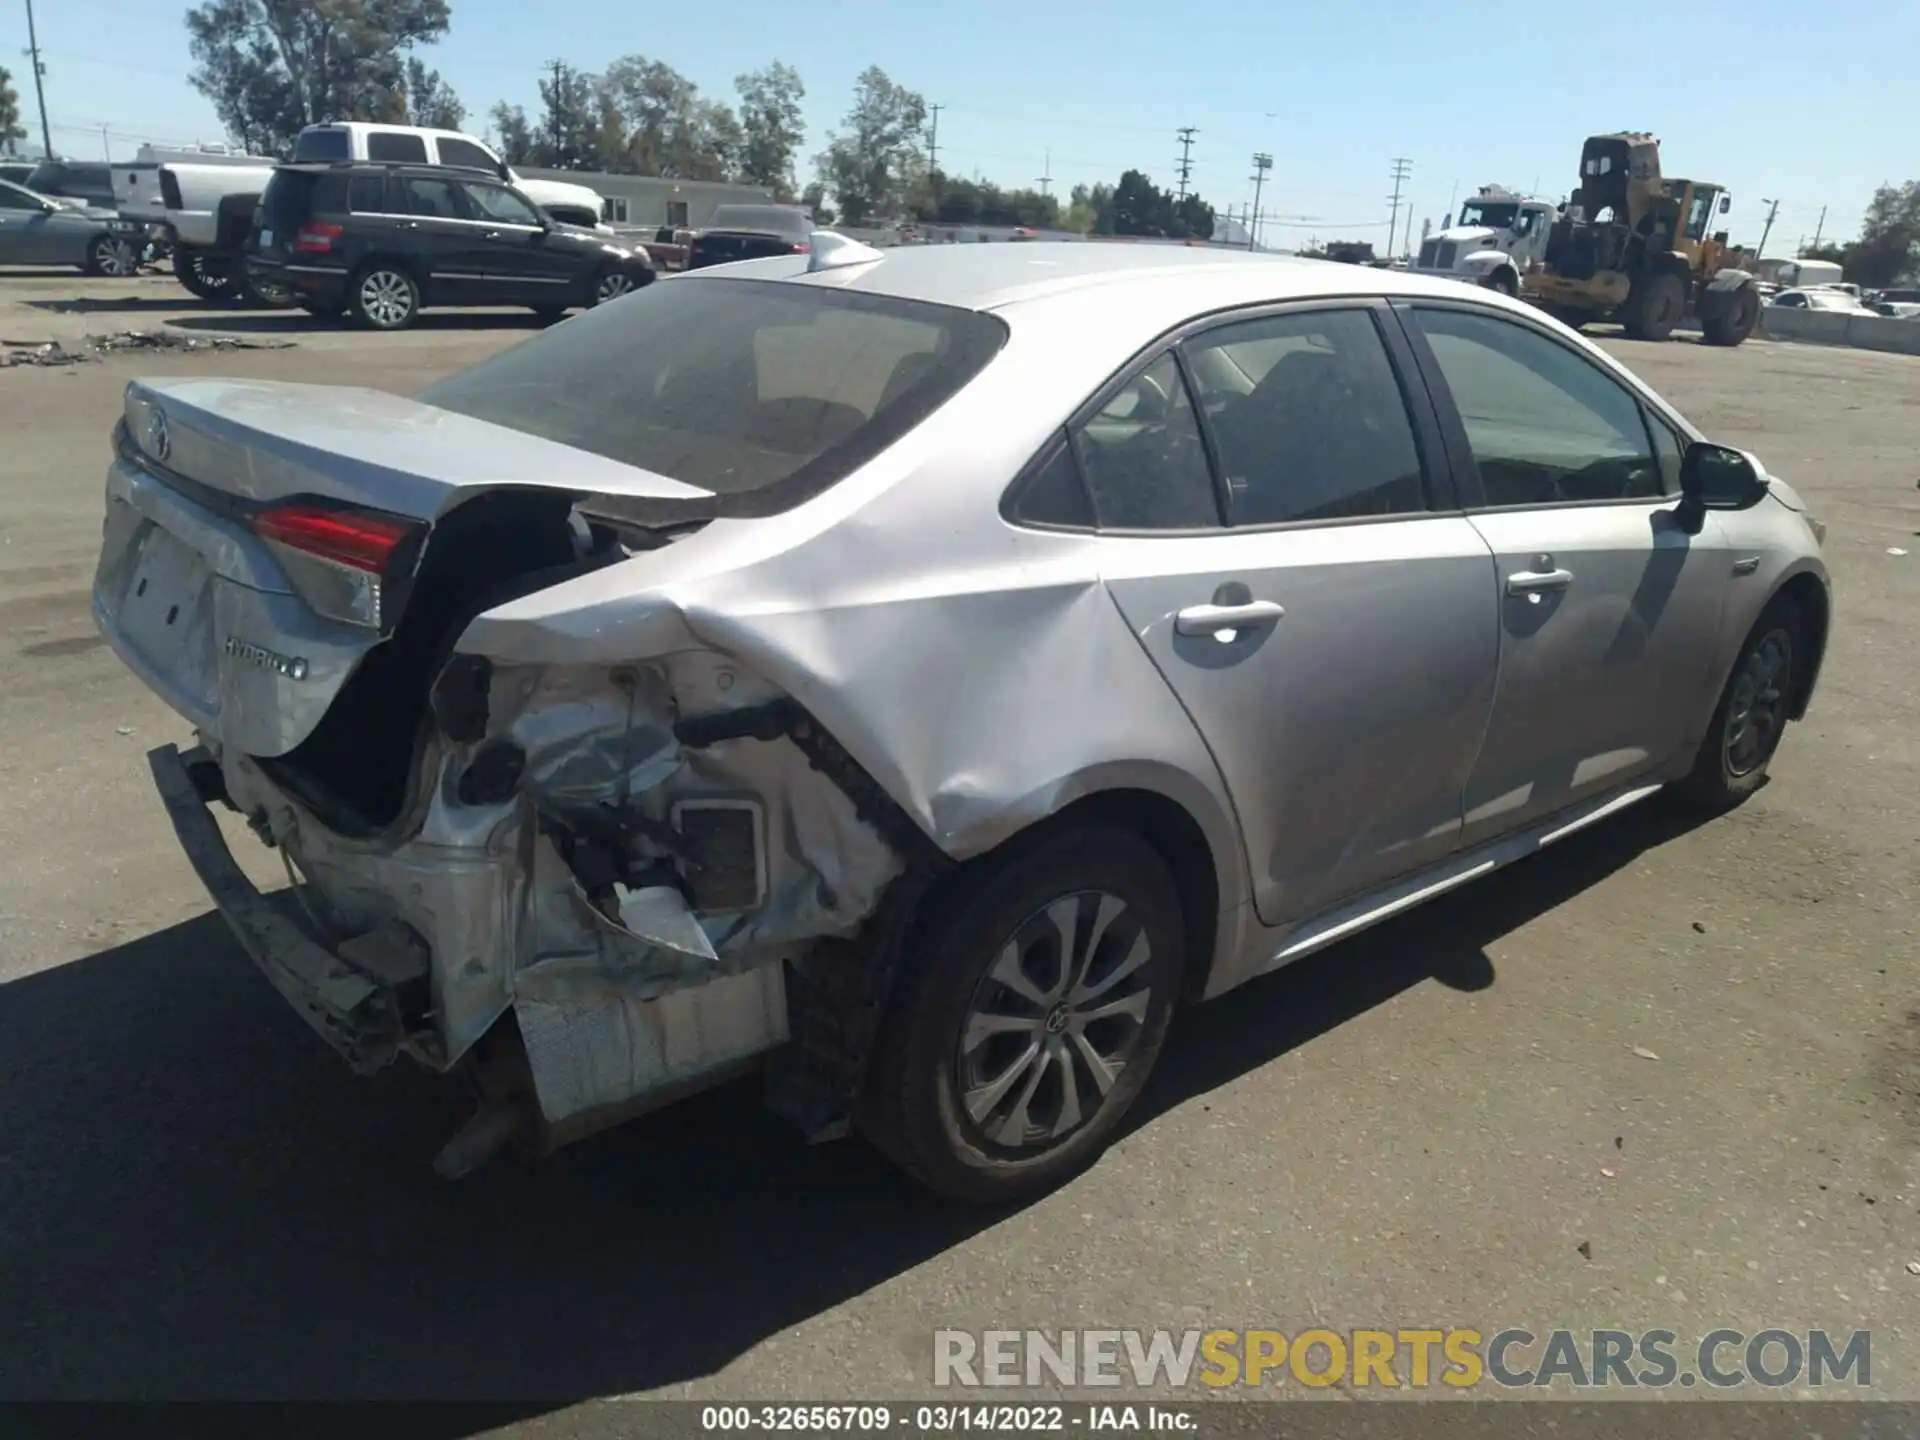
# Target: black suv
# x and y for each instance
(381, 241)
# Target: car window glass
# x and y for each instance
(422, 195)
(329, 195)
(1054, 494)
(367, 195)
(1667, 450)
(496, 202)
(1143, 459)
(13, 199)
(466, 154)
(321, 145)
(1545, 425)
(1308, 420)
(388, 145)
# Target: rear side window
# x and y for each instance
(1144, 461)
(322, 145)
(1307, 419)
(388, 145)
(763, 392)
(367, 195)
(467, 155)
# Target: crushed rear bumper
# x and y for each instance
(348, 1008)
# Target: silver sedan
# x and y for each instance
(38, 230)
(918, 672)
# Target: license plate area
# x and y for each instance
(166, 613)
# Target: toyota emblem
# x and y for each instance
(159, 442)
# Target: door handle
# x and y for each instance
(489, 234)
(1532, 582)
(1209, 619)
(407, 225)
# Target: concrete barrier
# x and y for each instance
(1834, 327)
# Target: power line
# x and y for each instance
(1402, 168)
(39, 81)
(1186, 134)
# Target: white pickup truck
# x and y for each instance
(1491, 242)
(204, 206)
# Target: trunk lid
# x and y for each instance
(248, 521)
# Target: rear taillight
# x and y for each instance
(801, 248)
(316, 237)
(343, 562)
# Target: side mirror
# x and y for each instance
(1726, 203)
(1718, 477)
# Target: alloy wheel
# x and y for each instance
(1756, 711)
(117, 257)
(612, 286)
(1054, 1021)
(386, 297)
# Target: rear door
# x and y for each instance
(1324, 618)
(510, 251)
(24, 234)
(1609, 611)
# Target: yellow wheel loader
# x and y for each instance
(1633, 246)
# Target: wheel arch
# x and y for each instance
(1815, 603)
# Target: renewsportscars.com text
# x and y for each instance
(1459, 1358)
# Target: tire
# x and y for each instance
(609, 285)
(1733, 323)
(1005, 921)
(112, 256)
(1505, 281)
(1656, 304)
(1752, 714)
(206, 277)
(382, 296)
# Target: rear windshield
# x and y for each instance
(764, 392)
(322, 145)
(772, 219)
(293, 197)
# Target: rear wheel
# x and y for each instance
(1655, 306)
(1032, 1017)
(384, 297)
(1752, 714)
(1732, 323)
(204, 275)
(112, 255)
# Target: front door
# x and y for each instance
(1609, 610)
(518, 261)
(1334, 638)
(428, 226)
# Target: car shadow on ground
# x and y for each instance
(128, 305)
(199, 1202)
(299, 322)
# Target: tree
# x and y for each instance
(430, 100)
(668, 129)
(771, 127)
(565, 139)
(1889, 243)
(516, 135)
(814, 197)
(1136, 206)
(10, 128)
(875, 157)
(271, 67)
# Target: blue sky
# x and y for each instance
(1811, 104)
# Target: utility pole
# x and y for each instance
(106, 151)
(557, 70)
(1817, 229)
(933, 155)
(39, 88)
(1044, 180)
(1262, 162)
(1402, 168)
(1186, 134)
(1761, 248)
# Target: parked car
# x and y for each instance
(925, 668)
(750, 232)
(16, 172)
(1898, 309)
(668, 248)
(40, 230)
(1819, 298)
(74, 180)
(383, 242)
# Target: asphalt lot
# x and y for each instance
(1447, 1121)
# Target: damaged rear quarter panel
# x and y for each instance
(978, 672)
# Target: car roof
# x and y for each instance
(996, 277)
